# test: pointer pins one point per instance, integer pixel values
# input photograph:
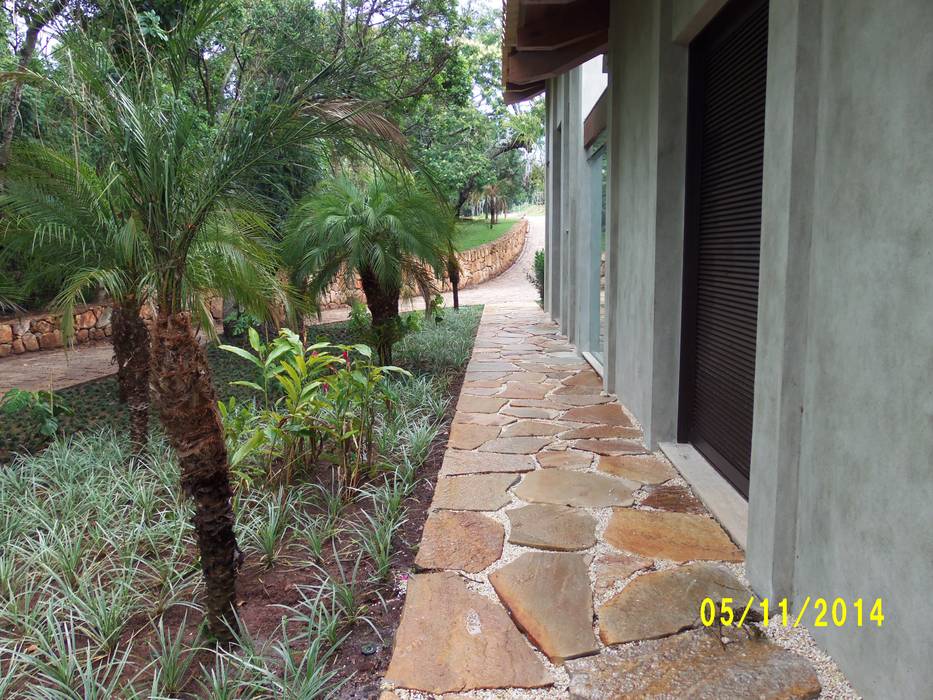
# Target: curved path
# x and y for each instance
(63, 368)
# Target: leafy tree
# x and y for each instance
(387, 231)
(178, 182)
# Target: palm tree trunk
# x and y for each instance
(131, 346)
(188, 409)
(383, 306)
(453, 274)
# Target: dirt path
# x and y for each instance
(63, 368)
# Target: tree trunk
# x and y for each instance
(383, 306)
(453, 274)
(188, 409)
(131, 346)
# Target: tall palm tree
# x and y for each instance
(386, 232)
(180, 185)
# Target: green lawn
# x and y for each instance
(472, 233)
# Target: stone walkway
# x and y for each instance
(560, 558)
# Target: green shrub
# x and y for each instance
(537, 279)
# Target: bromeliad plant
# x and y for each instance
(318, 403)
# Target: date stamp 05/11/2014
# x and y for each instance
(835, 612)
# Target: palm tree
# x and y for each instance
(386, 232)
(181, 186)
(494, 202)
(62, 209)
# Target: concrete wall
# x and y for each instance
(864, 483)
(841, 495)
(647, 127)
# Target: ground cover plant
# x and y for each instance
(100, 591)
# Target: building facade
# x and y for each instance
(740, 240)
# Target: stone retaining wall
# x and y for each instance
(42, 331)
(477, 265)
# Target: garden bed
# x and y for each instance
(99, 584)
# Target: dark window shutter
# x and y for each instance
(728, 65)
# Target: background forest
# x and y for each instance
(430, 66)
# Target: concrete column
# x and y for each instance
(572, 158)
(787, 211)
(648, 81)
(552, 248)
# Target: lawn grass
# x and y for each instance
(472, 233)
(100, 585)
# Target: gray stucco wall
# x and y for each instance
(647, 125)
(865, 488)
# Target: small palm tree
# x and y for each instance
(182, 189)
(62, 209)
(387, 232)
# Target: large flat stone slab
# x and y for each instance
(469, 436)
(464, 541)
(695, 665)
(525, 390)
(613, 567)
(530, 412)
(675, 498)
(480, 404)
(662, 603)
(571, 488)
(609, 414)
(463, 462)
(564, 459)
(545, 526)
(610, 447)
(602, 432)
(549, 598)
(516, 445)
(578, 400)
(673, 536)
(533, 428)
(451, 639)
(482, 418)
(647, 469)
(473, 492)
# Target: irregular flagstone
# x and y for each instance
(451, 639)
(522, 390)
(674, 498)
(662, 603)
(695, 665)
(552, 527)
(480, 404)
(673, 536)
(479, 391)
(585, 378)
(466, 541)
(583, 399)
(464, 462)
(610, 447)
(540, 403)
(483, 376)
(529, 412)
(571, 488)
(525, 377)
(526, 428)
(602, 432)
(647, 469)
(483, 384)
(549, 598)
(578, 390)
(473, 492)
(490, 366)
(611, 414)
(482, 418)
(565, 459)
(516, 445)
(468, 436)
(617, 566)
